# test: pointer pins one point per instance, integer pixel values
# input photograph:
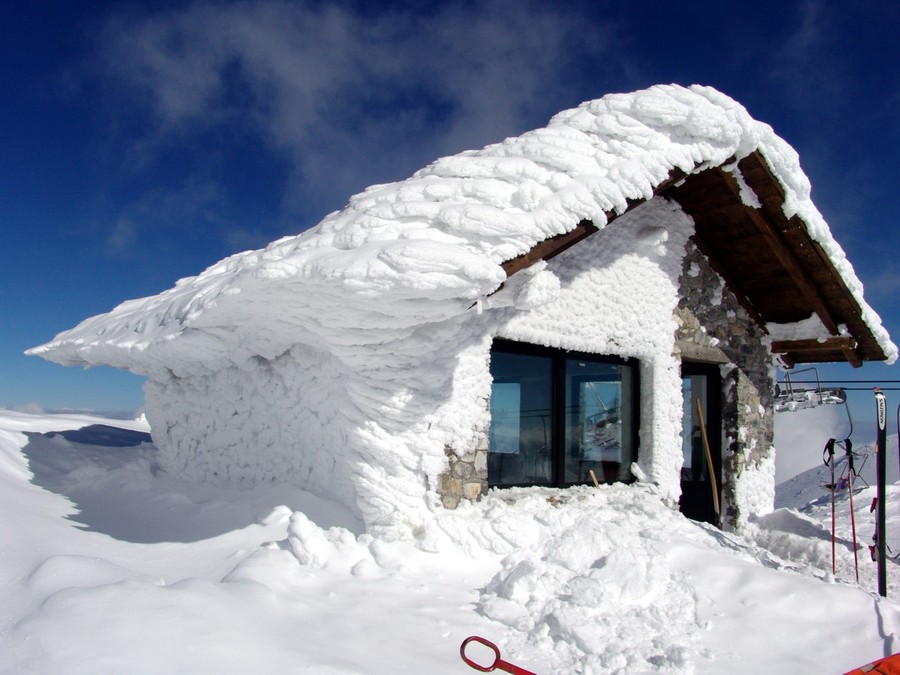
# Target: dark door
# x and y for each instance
(701, 484)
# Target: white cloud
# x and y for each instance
(195, 202)
(31, 408)
(347, 98)
(810, 65)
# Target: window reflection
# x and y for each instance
(597, 400)
(521, 425)
(557, 417)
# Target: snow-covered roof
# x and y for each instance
(427, 248)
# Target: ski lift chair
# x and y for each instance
(790, 397)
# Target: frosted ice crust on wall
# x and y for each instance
(347, 358)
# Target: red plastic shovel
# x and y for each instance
(496, 664)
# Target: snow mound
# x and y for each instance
(583, 581)
(595, 587)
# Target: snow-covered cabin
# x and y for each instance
(562, 306)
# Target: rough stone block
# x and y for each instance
(463, 470)
(450, 501)
(472, 491)
(481, 462)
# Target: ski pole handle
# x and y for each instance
(496, 664)
(828, 452)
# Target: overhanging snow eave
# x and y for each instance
(550, 248)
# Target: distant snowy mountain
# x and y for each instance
(805, 487)
(801, 435)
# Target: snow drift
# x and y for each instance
(172, 576)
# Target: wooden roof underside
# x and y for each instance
(768, 261)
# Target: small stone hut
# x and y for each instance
(603, 299)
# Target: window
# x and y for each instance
(556, 416)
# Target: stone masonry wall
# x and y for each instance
(467, 477)
(713, 327)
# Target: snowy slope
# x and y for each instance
(109, 566)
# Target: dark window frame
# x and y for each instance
(559, 414)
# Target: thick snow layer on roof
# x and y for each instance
(423, 250)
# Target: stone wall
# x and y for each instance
(713, 327)
(467, 477)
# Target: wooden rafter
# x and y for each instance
(550, 248)
(847, 346)
(786, 257)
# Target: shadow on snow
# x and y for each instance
(114, 481)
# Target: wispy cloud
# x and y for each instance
(347, 98)
(192, 204)
(806, 66)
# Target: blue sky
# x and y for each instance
(143, 142)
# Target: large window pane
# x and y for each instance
(520, 440)
(557, 416)
(598, 432)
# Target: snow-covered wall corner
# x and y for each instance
(661, 457)
(714, 328)
(257, 421)
(465, 420)
(754, 492)
(366, 424)
(749, 430)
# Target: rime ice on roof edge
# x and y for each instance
(424, 249)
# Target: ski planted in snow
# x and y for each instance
(879, 547)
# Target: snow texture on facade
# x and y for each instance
(351, 357)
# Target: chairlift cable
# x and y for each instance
(850, 381)
(850, 388)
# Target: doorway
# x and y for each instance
(701, 473)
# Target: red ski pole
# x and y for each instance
(851, 471)
(832, 486)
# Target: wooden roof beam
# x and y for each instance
(786, 257)
(550, 248)
(794, 350)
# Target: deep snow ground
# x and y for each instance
(109, 565)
